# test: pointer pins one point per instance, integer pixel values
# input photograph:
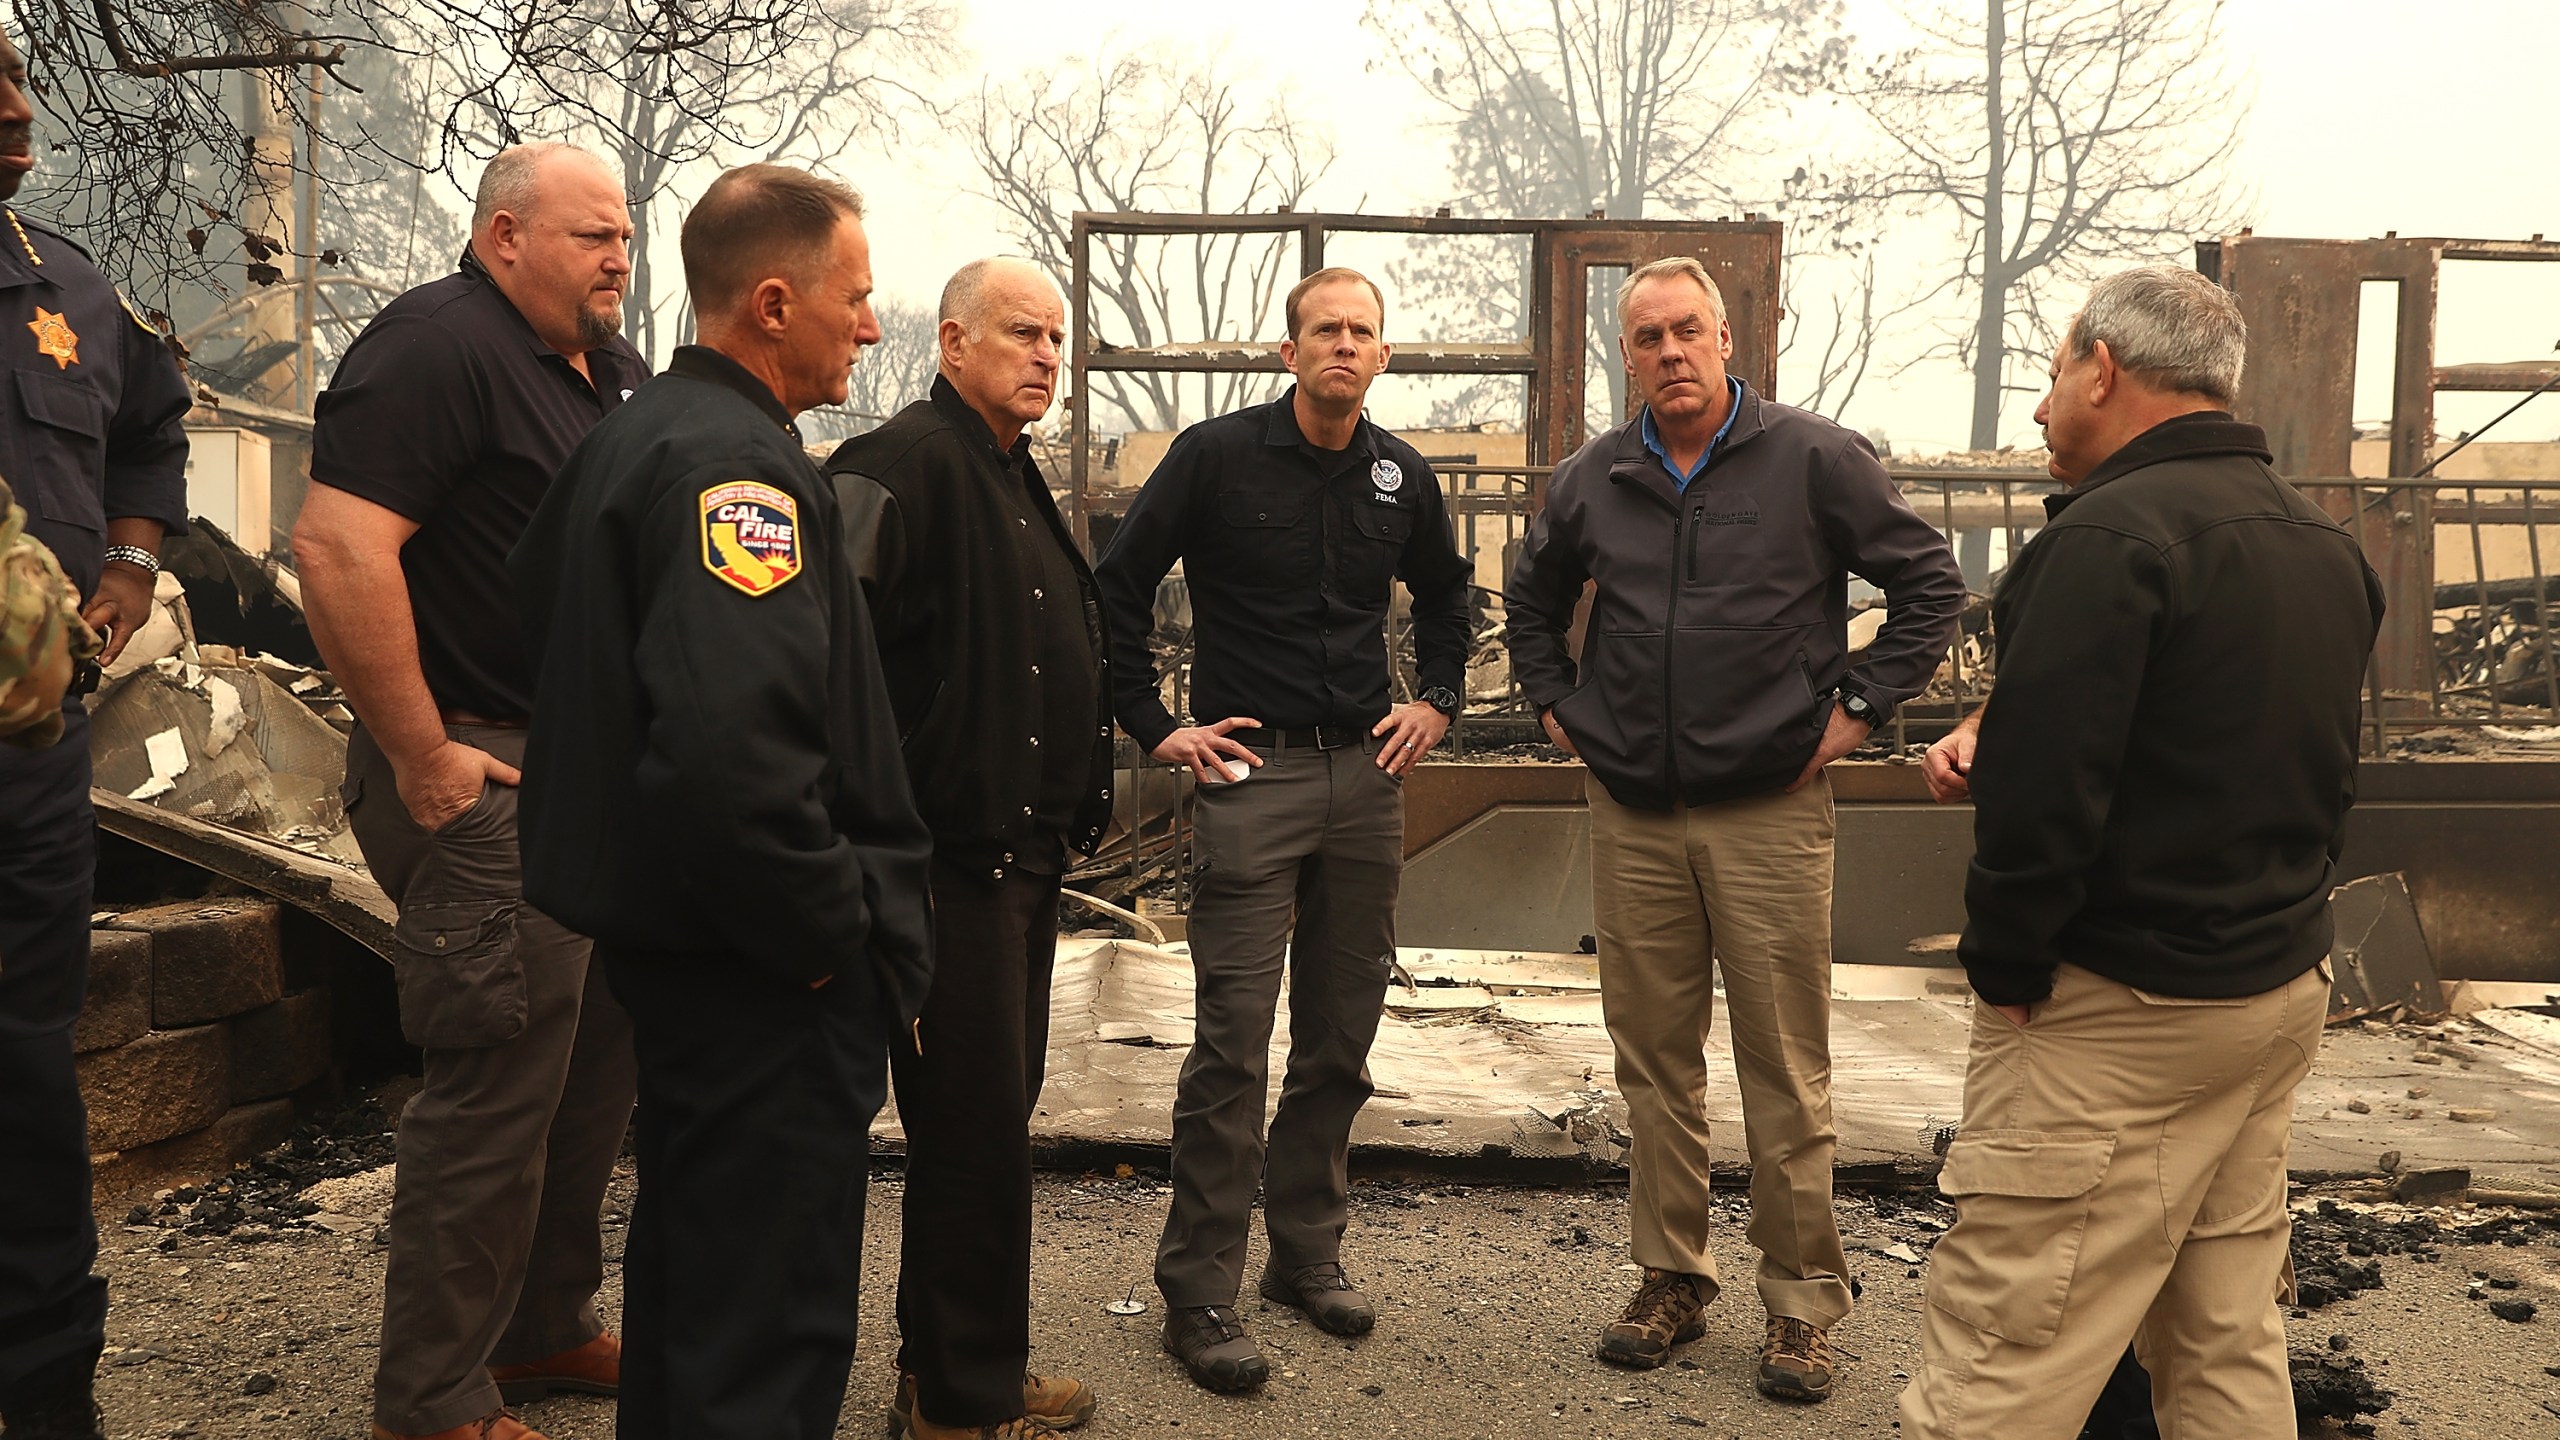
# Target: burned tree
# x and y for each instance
(1129, 134)
(835, 75)
(180, 128)
(2062, 136)
(1627, 106)
(892, 373)
(1636, 108)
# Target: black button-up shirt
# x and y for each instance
(449, 410)
(92, 408)
(1290, 553)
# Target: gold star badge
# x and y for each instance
(54, 338)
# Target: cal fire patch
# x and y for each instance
(750, 535)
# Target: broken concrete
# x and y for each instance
(117, 1009)
(210, 959)
(279, 1048)
(167, 1083)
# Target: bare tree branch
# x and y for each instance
(2065, 136)
(1132, 133)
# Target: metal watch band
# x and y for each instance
(135, 555)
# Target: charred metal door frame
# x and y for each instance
(2300, 299)
(1743, 255)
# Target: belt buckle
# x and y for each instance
(1333, 737)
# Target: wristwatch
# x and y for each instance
(1442, 699)
(1855, 704)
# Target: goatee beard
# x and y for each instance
(595, 330)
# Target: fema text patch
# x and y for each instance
(750, 535)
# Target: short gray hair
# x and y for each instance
(1664, 269)
(512, 180)
(964, 295)
(2171, 328)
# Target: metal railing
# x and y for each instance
(2496, 659)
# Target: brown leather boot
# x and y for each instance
(1019, 1428)
(1054, 1400)
(594, 1368)
(1668, 1309)
(496, 1425)
(1795, 1361)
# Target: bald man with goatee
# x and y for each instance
(990, 632)
(431, 448)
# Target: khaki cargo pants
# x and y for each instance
(1749, 883)
(2120, 1176)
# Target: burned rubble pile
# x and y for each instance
(2330, 1385)
(264, 1197)
(2336, 1250)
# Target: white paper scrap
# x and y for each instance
(228, 718)
(168, 754)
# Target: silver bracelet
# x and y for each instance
(135, 555)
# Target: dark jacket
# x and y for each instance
(1291, 554)
(1718, 635)
(2166, 762)
(712, 766)
(948, 574)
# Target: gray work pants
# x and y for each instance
(505, 1151)
(1300, 861)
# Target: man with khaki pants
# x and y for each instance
(1713, 685)
(2164, 772)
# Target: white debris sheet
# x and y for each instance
(1494, 1057)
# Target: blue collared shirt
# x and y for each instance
(1653, 440)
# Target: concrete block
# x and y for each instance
(277, 1049)
(117, 1010)
(166, 1083)
(210, 959)
(242, 1132)
(2438, 1184)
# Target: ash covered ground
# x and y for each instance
(249, 1307)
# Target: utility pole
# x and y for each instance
(308, 318)
(267, 218)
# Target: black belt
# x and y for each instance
(1305, 737)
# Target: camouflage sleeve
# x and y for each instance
(41, 633)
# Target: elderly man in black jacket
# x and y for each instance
(712, 790)
(991, 635)
(1714, 685)
(2164, 772)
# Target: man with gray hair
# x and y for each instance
(990, 634)
(1714, 685)
(2160, 783)
(432, 446)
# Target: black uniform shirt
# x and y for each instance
(1070, 679)
(94, 405)
(1290, 553)
(449, 410)
(713, 766)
